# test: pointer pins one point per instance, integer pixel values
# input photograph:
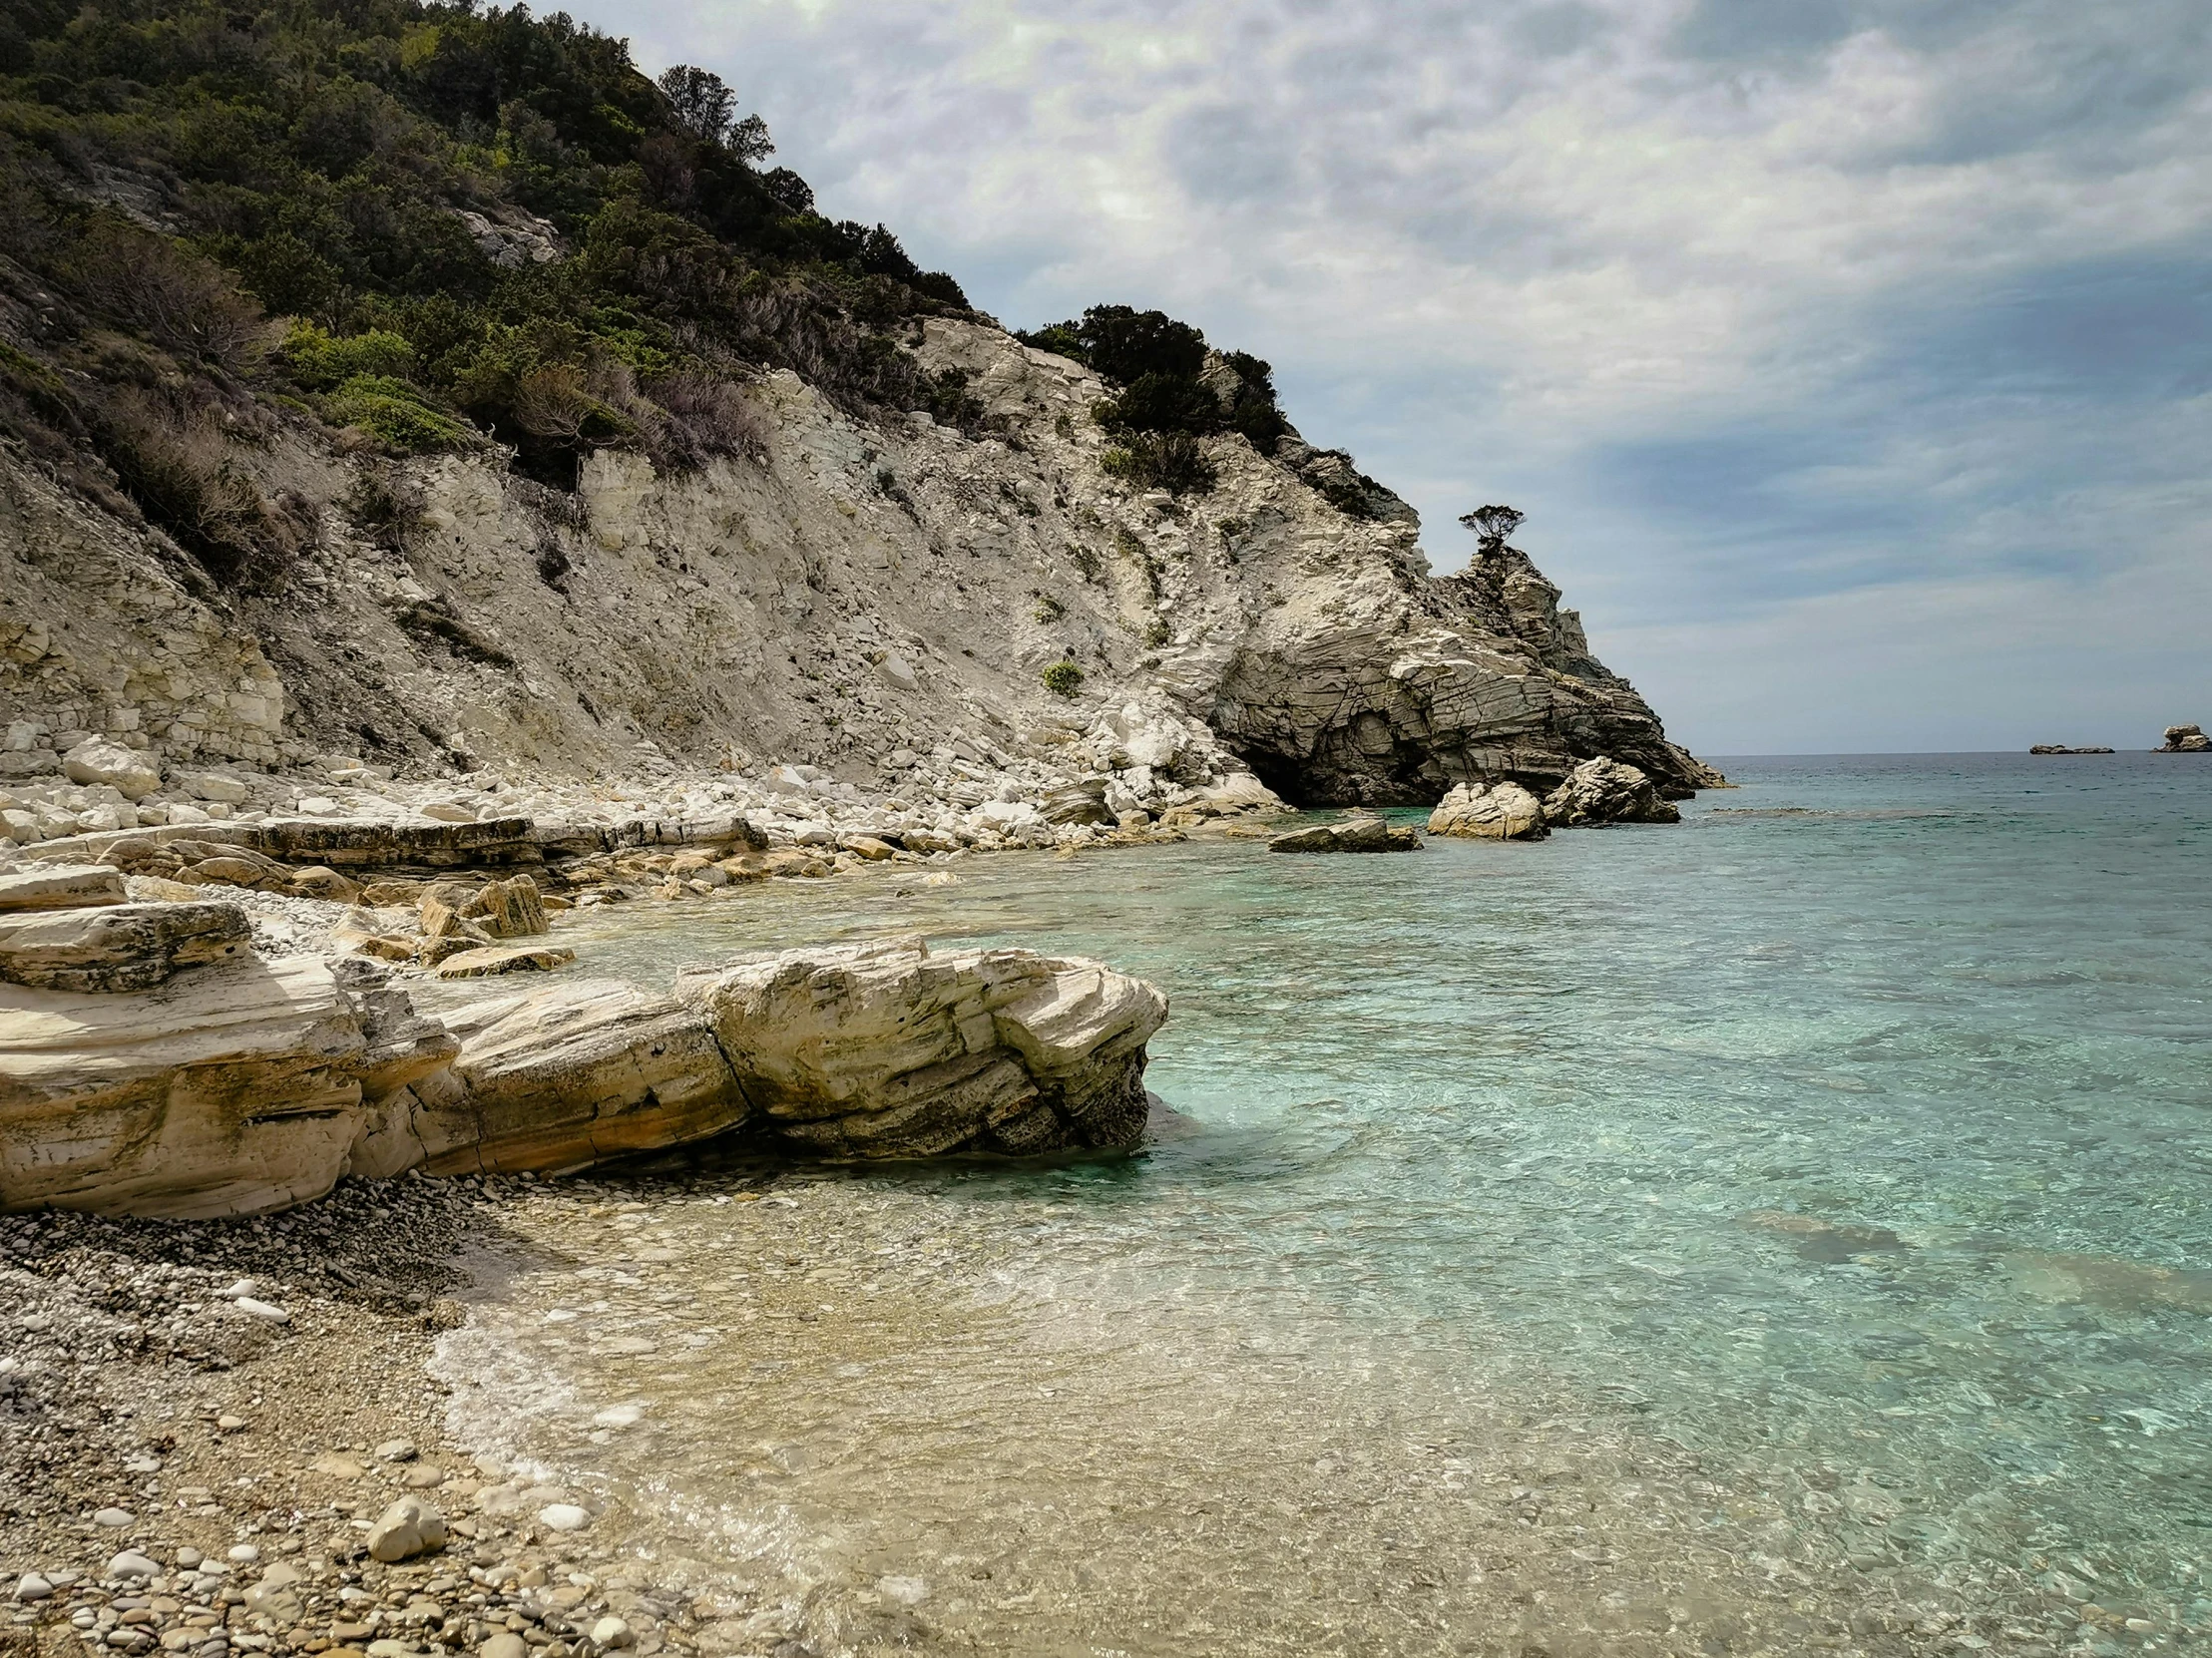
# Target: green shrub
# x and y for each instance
(1064, 679)
(395, 414)
(1157, 633)
(1050, 609)
(1171, 461)
(321, 363)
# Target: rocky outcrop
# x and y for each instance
(117, 947)
(64, 887)
(1354, 834)
(1501, 812)
(561, 1079)
(1604, 791)
(228, 1091)
(251, 1086)
(888, 1050)
(876, 602)
(2062, 748)
(2185, 739)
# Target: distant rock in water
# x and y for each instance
(2185, 739)
(1503, 812)
(1605, 791)
(1355, 834)
(2061, 748)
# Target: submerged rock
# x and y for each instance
(888, 1050)
(1605, 791)
(1501, 812)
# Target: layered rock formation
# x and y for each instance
(1503, 812)
(175, 1086)
(874, 600)
(2185, 739)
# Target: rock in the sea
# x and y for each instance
(489, 959)
(226, 1092)
(135, 774)
(1501, 812)
(1605, 791)
(888, 1050)
(1354, 834)
(561, 1079)
(407, 1528)
(118, 946)
(2185, 739)
(62, 887)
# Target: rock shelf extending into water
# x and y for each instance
(155, 1066)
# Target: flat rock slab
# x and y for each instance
(64, 888)
(118, 946)
(496, 959)
(1367, 834)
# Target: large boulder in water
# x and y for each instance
(2185, 739)
(889, 1050)
(1501, 812)
(1605, 791)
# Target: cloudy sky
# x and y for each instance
(1852, 358)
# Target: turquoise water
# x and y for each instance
(1824, 1185)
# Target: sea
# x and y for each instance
(1787, 1231)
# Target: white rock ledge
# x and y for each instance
(252, 1086)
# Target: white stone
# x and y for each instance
(562, 1517)
(407, 1528)
(261, 1310)
(115, 1517)
(136, 774)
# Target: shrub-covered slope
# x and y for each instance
(427, 383)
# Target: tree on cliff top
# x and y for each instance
(1493, 527)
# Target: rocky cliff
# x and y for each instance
(850, 594)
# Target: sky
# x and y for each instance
(1852, 359)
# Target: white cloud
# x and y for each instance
(1706, 287)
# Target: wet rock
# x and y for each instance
(490, 960)
(1358, 834)
(1605, 791)
(889, 1050)
(562, 1517)
(1501, 812)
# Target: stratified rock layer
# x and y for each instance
(1603, 791)
(888, 1050)
(1501, 812)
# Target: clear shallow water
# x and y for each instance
(1793, 1229)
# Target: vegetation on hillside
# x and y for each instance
(475, 222)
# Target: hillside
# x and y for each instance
(428, 386)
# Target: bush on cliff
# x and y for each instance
(465, 211)
(1170, 382)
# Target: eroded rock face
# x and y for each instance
(228, 1090)
(1603, 791)
(2185, 739)
(888, 1050)
(118, 946)
(564, 1077)
(1501, 812)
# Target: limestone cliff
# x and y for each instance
(851, 596)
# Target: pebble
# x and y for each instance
(610, 1633)
(396, 1451)
(407, 1528)
(504, 1645)
(31, 1586)
(115, 1517)
(620, 1416)
(245, 1554)
(132, 1563)
(562, 1517)
(261, 1310)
